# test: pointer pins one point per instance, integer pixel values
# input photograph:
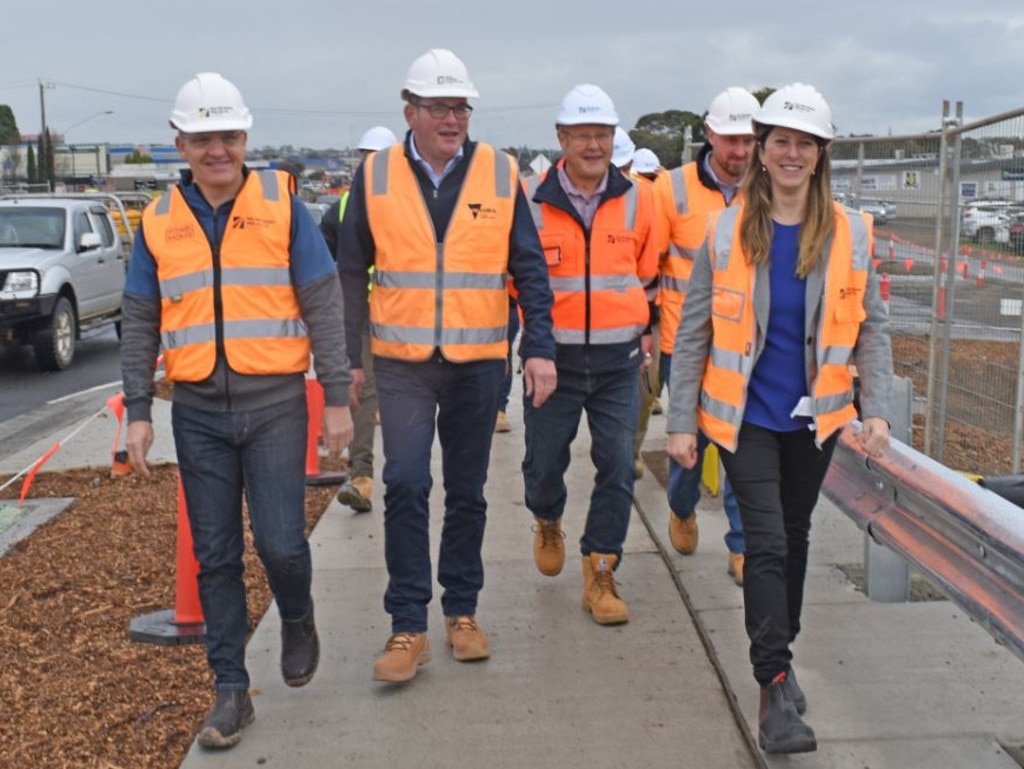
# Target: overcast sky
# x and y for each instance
(318, 74)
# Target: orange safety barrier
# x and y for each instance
(315, 405)
(884, 287)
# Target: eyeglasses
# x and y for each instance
(440, 111)
(583, 139)
(229, 139)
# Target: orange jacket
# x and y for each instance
(686, 203)
(440, 290)
(259, 316)
(599, 278)
(736, 344)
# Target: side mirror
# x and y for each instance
(89, 241)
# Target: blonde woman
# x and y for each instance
(782, 299)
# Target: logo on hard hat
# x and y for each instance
(742, 116)
(583, 110)
(796, 107)
(448, 80)
(214, 111)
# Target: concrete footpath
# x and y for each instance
(900, 686)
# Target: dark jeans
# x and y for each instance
(777, 477)
(513, 332)
(684, 484)
(220, 455)
(459, 399)
(611, 401)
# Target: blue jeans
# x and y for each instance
(513, 331)
(684, 485)
(611, 401)
(459, 399)
(261, 453)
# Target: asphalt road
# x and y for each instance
(24, 388)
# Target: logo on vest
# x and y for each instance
(480, 211)
(848, 293)
(241, 222)
(176, 234)
(612, 239)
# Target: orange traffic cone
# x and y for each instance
(315, 406)
(184, 623)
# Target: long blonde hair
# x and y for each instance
(756, 225)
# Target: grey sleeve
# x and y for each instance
(140, 345)
(323, 310)
(873, 353)
(690, 352)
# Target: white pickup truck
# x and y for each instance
(62, 269)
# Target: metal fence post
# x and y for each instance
(886, 574)
(936, 285)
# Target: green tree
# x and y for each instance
(137, 158)
(664, 134)
(50, 166)
(9, 133)
(763, 93)
(31, 170)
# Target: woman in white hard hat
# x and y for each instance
(782, 295)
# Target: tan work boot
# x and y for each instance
(356, 493)
(638, 467)
(402, 655)
(736, 567)
(548, 546)
(466, 639)
(682, 532)
(600, 596)
(501, 424)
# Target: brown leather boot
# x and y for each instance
(735, 568)
(682, 532)
(600, 595)
(467, 640)
(548, 546)
(402, 655)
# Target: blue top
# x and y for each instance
(778, 380)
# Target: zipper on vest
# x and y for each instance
(218, 306)
(586, 288)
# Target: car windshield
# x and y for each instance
(31, 227)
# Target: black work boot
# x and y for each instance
(780, 728)
(223, 726)
(793, 691)
(300, 650)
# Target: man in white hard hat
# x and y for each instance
(688, 196)
(622, 150)
(357, 491)
(231, 277)
(443, 221)
(597, 229)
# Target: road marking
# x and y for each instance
(83, 392)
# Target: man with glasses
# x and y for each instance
(443, 221)
(230, 275)
(597, 229)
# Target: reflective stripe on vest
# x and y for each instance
(730, 362)
(449, 292)
(260, 320)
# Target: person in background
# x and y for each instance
(688, 196)
(597, 229)
(357, 491)
(782, 295)
(438, 316)
(237, 310)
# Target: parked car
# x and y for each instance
(986, 221)
(62, 269)
(876, 209)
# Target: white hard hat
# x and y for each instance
(623, 148)
(645, 161)
(439, 72)
(208, 102)
(377, 138)
(799, 107)
(731, 112)
(587, 105)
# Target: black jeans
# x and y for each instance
(776, 477)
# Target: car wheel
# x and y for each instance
(55, 344)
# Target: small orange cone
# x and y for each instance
(315, 406)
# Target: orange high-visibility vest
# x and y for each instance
(260, 318)
(688, 204)
(732, 356)
(440, 290)
(599, 287)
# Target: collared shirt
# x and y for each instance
(435, 178)
(585, 205)
(728, 190)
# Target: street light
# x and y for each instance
(74, 174)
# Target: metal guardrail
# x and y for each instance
(968, 541)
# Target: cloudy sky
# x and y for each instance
(317, 74)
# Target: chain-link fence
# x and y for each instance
(949, 237)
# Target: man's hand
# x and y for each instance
(140, 438)
(337, 429)
(874, 436)
(539, 379)
(647, 352)
(355, 390)
(682, 447)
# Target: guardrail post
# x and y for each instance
(886, 574)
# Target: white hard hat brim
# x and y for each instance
(798, 125)
(213, 124)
